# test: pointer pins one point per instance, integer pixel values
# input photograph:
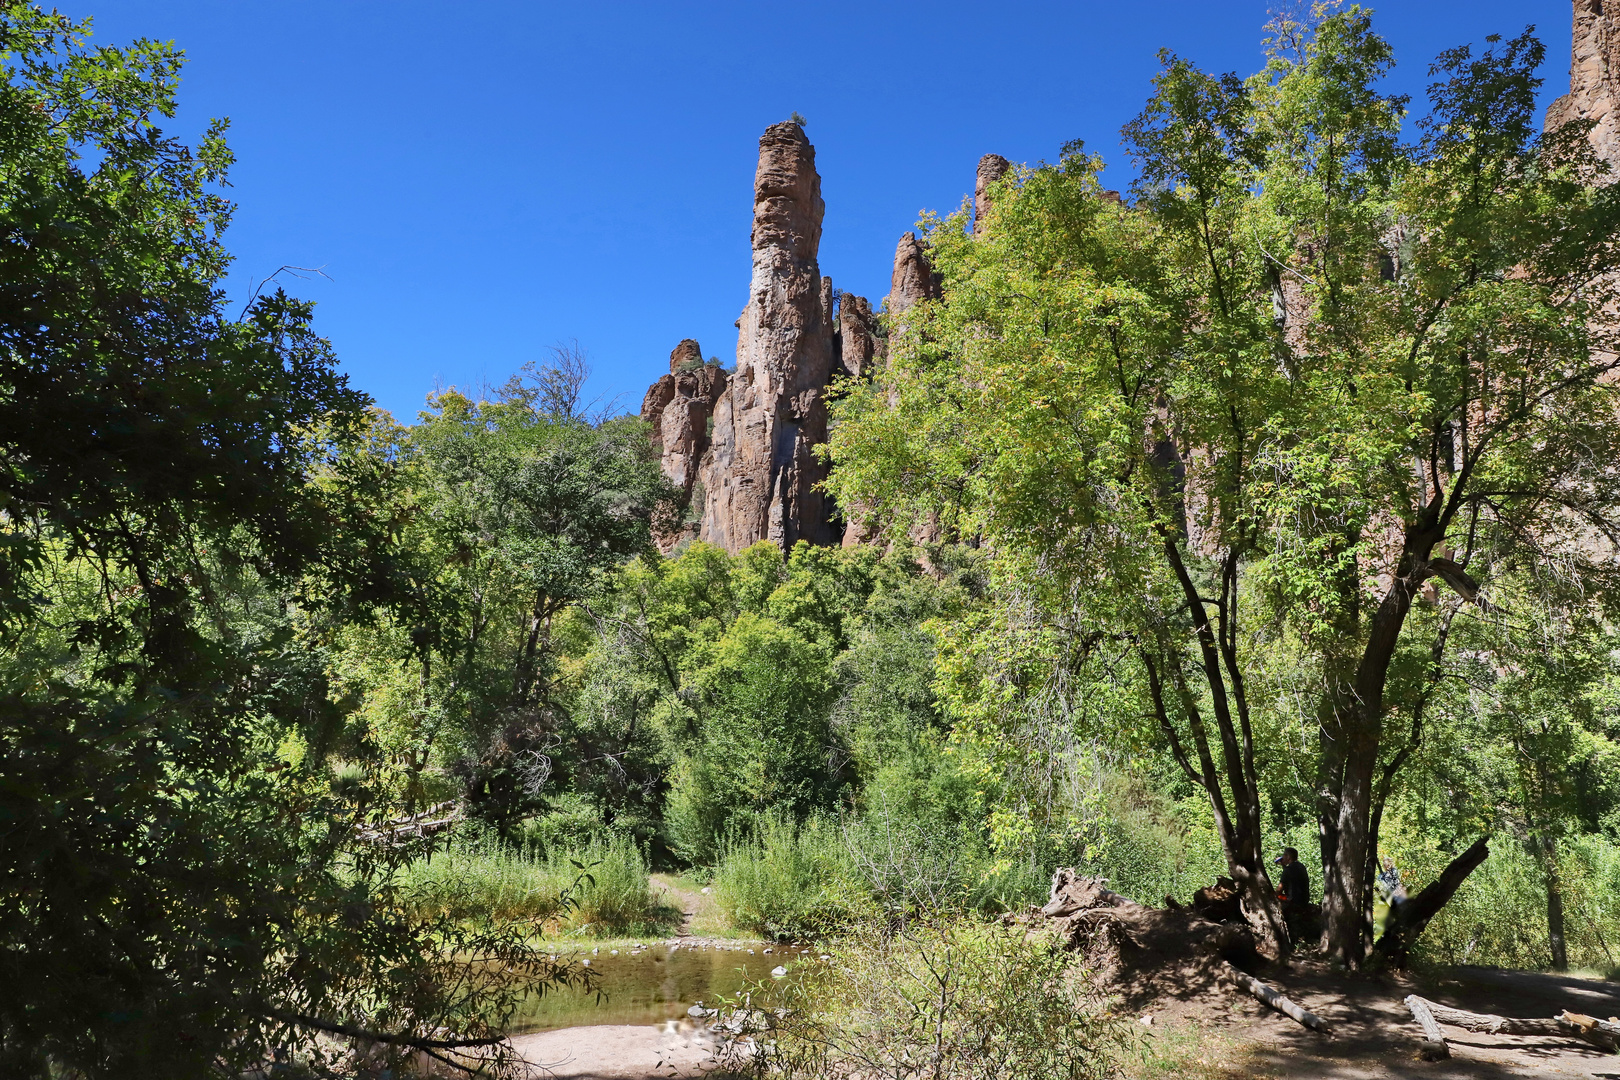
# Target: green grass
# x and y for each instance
(599, 889)
(789, 882)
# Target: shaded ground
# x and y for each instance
(1374, 1035)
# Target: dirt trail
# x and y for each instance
(689, 901)
(1375, 1037)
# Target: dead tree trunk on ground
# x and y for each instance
(1603, 1033)
(1276, 1000)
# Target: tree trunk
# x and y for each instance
(1343, 908)
(1406, 921)
(1555, 905)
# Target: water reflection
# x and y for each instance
(653, 985)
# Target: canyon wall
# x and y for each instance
(1594, 77)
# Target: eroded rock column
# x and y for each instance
(759, 475)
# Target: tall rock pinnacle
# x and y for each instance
(913, 278)
(759, 475)
(1594, 77)
(992, 167)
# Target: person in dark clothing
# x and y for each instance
(1294, 890)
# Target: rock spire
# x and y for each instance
(759, 477)
(1594, 77)
(913, 278)
(992, 167)
(741, 446)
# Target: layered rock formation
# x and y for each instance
(1594, 77)
(741, 447)
(678, 407)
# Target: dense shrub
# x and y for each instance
(946, 1000)
(789, 883)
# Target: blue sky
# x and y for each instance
(483, 180)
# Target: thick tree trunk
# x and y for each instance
(1347, 927)
(1555, 904)
(1344, 908)
(1407, 921)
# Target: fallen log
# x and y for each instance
(1434, 1040)
(1605, 1033)
(1276, 1000)
(1602, 1033)
(1490, 1024)
(414, 827)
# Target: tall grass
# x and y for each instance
(599, 888)
(789, 882)
(615, 898)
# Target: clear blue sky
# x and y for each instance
(483, 180)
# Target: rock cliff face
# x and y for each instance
(678, 407)
(1594, 77)
(741, 446)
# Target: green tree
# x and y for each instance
(1309, 370)
(182, 518)
(529, 504)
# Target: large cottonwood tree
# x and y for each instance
(1309, 373)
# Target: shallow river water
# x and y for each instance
(652, 985)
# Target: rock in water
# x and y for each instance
(778, 972)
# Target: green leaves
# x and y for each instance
(1226, 428)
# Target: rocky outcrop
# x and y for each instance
(678, 407)
(857, 336)
(913, 278)
(992, 167)
(758, 478)
(1594, 77)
